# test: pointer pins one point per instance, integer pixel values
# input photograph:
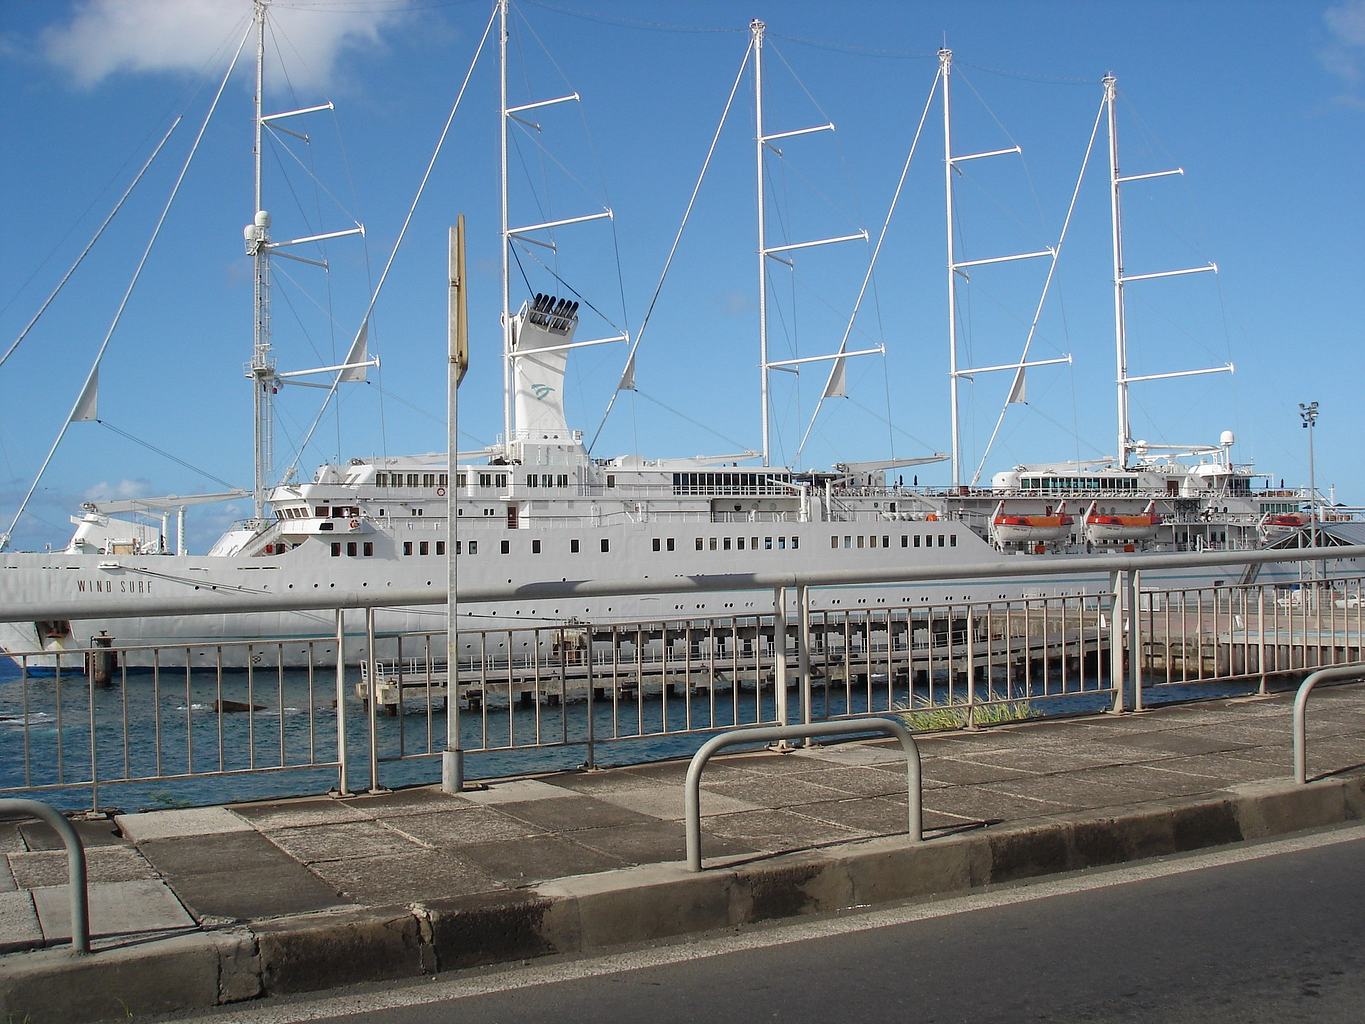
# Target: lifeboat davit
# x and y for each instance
(1107, 527)
(1027, 529)
(1278, 526)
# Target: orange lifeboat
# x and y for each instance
(1028, 529)
(1102, 527)
(1280, 525)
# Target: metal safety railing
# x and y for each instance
(218, 720)
(1323, 675)
(75, 863)
(849, 727)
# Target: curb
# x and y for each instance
(634, 905)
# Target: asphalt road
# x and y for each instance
(1250, 933)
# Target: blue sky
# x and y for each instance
(1263, 104)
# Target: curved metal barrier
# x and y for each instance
(846, 727)
(75, 862)
(1356, 671)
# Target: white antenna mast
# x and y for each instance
(1122, 377)
(956, 267)
(262, 368)
(765, 251)
(265, 381)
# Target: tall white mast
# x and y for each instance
(261, 372)
(506, 233)
(945, 63)
(764, 141)
(1125, 442)
(756, 27)
(1123, 378)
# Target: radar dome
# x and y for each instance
(262, 219)
(1227, 439)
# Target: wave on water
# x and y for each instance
(34, 718)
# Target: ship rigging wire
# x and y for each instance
(92, 377)
(89, 245)
(402, 234)
(628, 372)
(165, 454)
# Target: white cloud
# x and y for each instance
(1344, 54)
(107, 490)
(107, 37)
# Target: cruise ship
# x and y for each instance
(539, 508)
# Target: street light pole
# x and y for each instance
(1309, 415)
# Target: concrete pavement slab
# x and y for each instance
(296, 813)
(571, 814)
(652, 842)
(1144, 781)
(102, 864)
(672, 773)
(116, 909)
(419, 800)
(847, 754)
(313, 843)
(772, 791)
(862, 781)
(1226, 769)
(198, 855)
(12, 839)
(255, 893)
(666, 802)
(513, 791)
(19, 928)
(770, 831)
(764, 763)
(1199, 740)
(473, 825)
(538, 858)
(6, 876)
(1066, 790)
(957, 771)
(93, 832)
(977, 804)
(605, 781)
(192, 821)
(237, 876)
(878, 816)
(1037, 762)
(406, 877)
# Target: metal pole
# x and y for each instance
(1116, 588)
(75, 864)
(847, 727)
(803, 654)
(343, 786)
(1264, 687)
(971, 669)
(1134, 618)
(505, 235)
(372, 670)
(452, 758)
(591, 761)
(945, 62)
(1116, 229)
(780, 658)
(1301, 712)
(1309, 413)
(756, 28)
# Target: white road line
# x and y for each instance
(417, 992)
